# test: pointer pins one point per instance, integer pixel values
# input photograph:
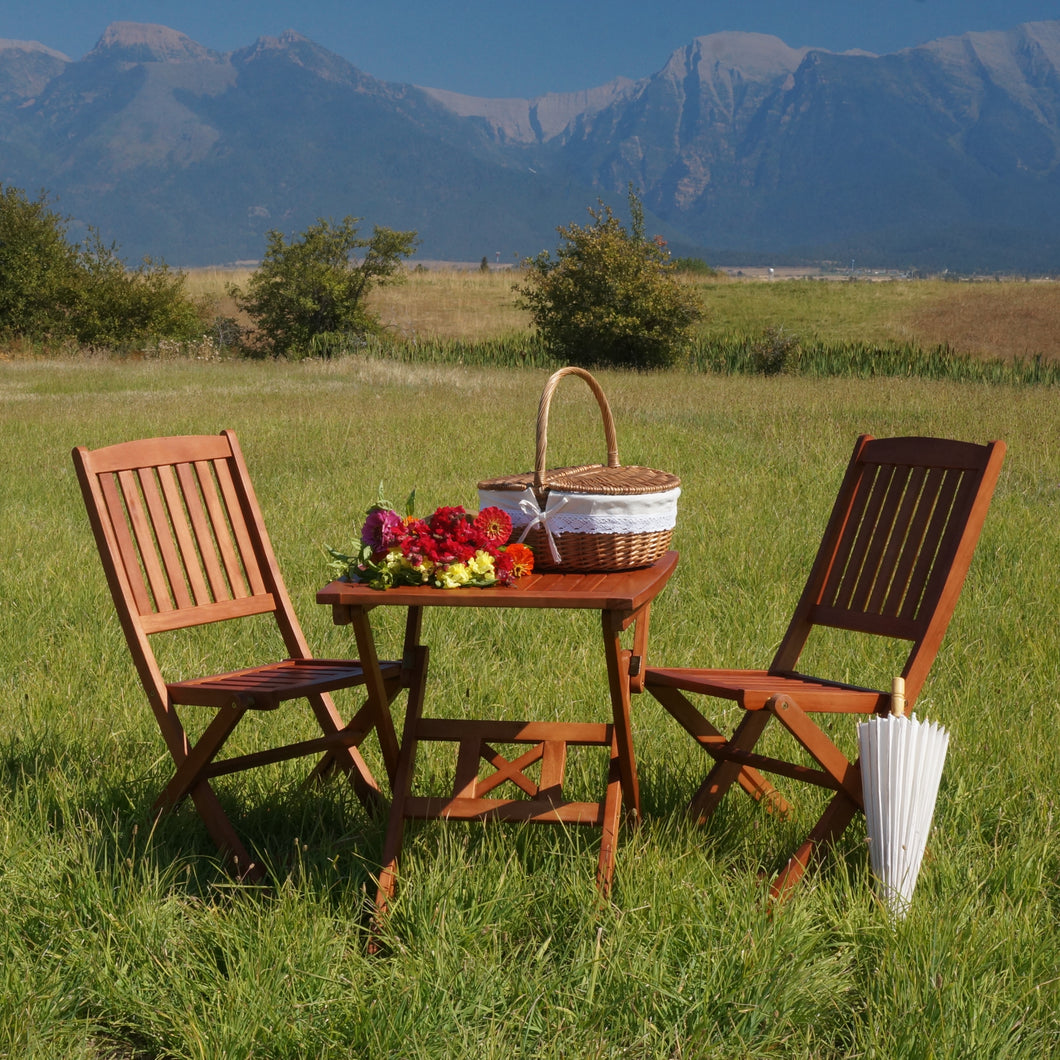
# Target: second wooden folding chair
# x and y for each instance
(891, 564)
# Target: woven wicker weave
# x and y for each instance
(590, 551)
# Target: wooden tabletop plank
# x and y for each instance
(616, 591)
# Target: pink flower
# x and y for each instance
(382, 530)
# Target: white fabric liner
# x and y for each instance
(584, 513)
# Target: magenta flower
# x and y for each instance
(381, 530)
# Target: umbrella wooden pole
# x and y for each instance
(898, 697)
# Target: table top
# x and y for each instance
(616, 591)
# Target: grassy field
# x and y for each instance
(123, 940)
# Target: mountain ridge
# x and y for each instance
(945, 154)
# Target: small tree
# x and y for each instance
(313, 288)
(117, 305)
(609, 297)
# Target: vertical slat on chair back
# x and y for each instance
(899, 542)
(187, 545)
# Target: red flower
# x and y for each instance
(494, 524)
(449, 522)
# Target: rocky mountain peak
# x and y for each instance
(26, 67)
(142, 42)
(754, 56)
(31, 47)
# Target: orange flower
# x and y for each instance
(522, 559)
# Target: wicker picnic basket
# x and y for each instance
(593, 517)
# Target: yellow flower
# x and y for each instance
(481, 564)
(453, 576)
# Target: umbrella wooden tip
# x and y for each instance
(898, 697)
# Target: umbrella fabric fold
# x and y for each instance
(901, 767)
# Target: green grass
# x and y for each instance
(124, 940)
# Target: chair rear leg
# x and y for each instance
(347, 759)
(187, 782)
(237, 858)
(830, 826)
(726, 771)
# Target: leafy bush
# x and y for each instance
(52, 290)
(37, 268)
(117, 305)
(696, 266)
(775, 352)
(609, 297)
(308, 295)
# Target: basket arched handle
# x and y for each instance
(610, 438)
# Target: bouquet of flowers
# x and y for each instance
(450, 549)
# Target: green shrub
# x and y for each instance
(307, 298)
(609, 297)
(117, 306)
(38, 268)
(697, 267)
(51, 290)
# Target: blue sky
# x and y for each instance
(503, 48)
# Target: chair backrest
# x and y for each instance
(898, 546)
(181, 538)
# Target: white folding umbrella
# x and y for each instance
(901, 766)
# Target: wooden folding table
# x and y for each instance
(624, 601)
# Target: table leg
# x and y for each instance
(377, 689)
(402, 783)
(619, 663)
(612, 812)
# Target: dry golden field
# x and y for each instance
(1007, 319)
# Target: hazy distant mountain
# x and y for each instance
(741, 147)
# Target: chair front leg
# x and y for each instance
(830, 826)
(841, 809)
(192, 765)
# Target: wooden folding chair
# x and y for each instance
(183, 544)
(892, 563)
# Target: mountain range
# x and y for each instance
(741, 148)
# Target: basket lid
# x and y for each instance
(592, 479)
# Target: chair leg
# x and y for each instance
(187, 782)
(192, 764)
(831, 825)
(237, 858)
(714, 742)
(349, 759)
(726, 772)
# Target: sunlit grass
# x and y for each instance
(125, 941)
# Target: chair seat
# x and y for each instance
(266, 687)
(752, 689)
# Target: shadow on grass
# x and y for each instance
(318, 834)
(319, 839)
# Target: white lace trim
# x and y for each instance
(584, 513)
